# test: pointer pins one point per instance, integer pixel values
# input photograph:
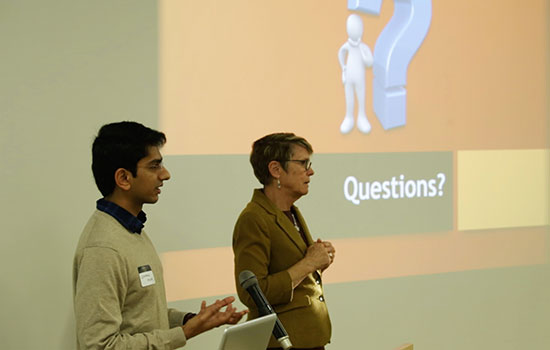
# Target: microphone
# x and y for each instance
(249, 282)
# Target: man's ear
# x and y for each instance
(275, 168)
(123, 179)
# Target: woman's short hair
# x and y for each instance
(277, 146)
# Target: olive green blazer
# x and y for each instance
(267, 243)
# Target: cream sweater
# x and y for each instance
(118, 288)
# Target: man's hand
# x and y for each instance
(366, 55)
(212, 316)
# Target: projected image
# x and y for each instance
(395, 48)
(418, 120)
(275, 67)
(354, 56)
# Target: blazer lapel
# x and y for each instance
(282, 221)
(300, 218)
(289, 229)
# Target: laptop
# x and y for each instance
(249, 335)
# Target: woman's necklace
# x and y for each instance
(295, 222)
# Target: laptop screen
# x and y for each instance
(250, 335)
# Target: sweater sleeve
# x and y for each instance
(101, 285)
(176, 317)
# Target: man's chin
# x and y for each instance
(152, 200)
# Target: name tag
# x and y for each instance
(146, 275)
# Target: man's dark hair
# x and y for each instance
(121, 145)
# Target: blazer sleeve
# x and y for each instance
(252, 244)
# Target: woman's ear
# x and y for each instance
(123, 179)
(275, 169)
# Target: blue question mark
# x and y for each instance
(393, 51)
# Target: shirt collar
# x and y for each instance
(130, 222)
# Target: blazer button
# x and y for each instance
(321, 298)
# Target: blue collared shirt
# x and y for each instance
(130, 222)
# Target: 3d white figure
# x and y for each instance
(359, 57)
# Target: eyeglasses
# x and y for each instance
(306, 163)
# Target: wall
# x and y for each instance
(66, 68)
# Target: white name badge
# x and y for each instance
(146, 275)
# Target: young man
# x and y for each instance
(118, 287)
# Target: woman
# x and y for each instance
(272, 240)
